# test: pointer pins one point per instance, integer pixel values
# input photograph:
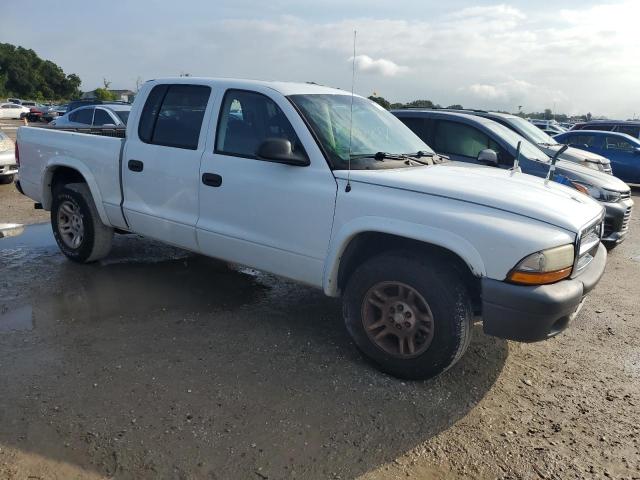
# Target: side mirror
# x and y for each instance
(279, 150)
(488, 157)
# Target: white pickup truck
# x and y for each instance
(329, 190)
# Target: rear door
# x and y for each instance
(161, 163)
(271, 216)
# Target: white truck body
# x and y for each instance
(297, 222)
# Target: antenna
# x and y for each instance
(353, 81)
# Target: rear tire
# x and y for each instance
(6, 179)
(76, 224)
(410, 314)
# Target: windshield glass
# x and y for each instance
(531, 132)
(373, 130)
(527, 149)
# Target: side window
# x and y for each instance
(172, 115)
(615, 143)
(588, 140)
(418, 126)
(629, 130)
(600, 126)
(84, 115)
(249, 118)
(101, 117)
(460, 139)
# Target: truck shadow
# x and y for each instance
(158, 363)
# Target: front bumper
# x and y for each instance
(533, 313)
(616, 221)
(8, 164)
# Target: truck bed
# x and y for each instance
(94, 152)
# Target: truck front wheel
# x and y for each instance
(410, 314)
(77, 227)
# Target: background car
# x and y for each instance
(73, 104)
(550, 127)
(53, 112)
(8, 166)
(545, 142)
(94, 116)
(472, 139)
(12, 110)
(623, 150)
(630, 127)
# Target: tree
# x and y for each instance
(23, 74)
(397, 106)
(384, 103)
(104, 94)
(106, 83)
(456, 106)
(548, 114)
(420, 104)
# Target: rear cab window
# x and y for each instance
(172, 115)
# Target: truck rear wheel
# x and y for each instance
(77, 227)
(409, 314)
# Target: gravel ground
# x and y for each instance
(157, 363)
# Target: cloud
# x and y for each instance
(380, 66)
(485, 56)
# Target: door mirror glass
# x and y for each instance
(488, 157)
(279, 150)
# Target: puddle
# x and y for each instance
(19, 319)
(34, 236)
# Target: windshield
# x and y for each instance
(531, 132)
(373, 130)
(527, 149)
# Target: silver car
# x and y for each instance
(94, 116)
(8, 167)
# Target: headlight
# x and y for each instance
(547, 266)
(595, 192)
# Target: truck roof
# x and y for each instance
(285, 88)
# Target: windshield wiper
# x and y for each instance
(380, 156)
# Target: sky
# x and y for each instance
(573, 56)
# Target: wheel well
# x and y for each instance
(64, 175)
(369, 244)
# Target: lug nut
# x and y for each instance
(407, 324)
(400, 308)
(407, 314)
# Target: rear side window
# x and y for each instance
(172, 115)
(101, 118)
(460, 139)
(629, 130)
(615, 143)
(587, 140)
(84, 115)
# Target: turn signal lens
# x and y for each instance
(547, 266)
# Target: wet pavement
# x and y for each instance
(158, 363)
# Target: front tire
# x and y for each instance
(409, 314)
(76, 224)
(6, 179)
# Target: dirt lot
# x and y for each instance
(157, 363)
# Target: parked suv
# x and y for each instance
(473, 139)
(545, 142)
(630, 127)
(623, 150)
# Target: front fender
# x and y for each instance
(435, 236)
(47, 194)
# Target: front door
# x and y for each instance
(272, 216)
(161, 164)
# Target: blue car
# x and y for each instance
(621, 149)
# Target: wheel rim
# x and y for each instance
(397, 319)
(70, 224)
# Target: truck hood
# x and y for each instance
(575, 171)
(519, 193)
(576, 155)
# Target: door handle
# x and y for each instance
(212, 179)
(135, 165)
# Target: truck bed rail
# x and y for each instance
(117, 132)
